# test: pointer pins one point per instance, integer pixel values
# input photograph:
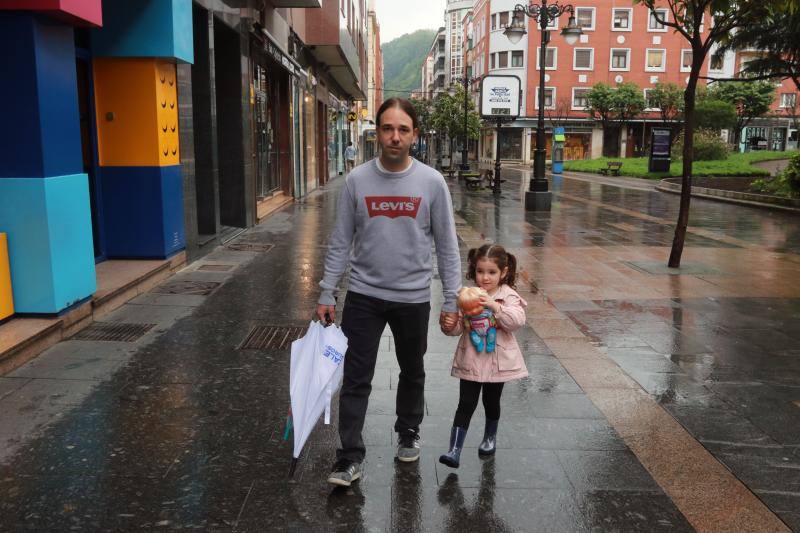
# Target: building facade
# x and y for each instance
(619, 44)
(150, 129)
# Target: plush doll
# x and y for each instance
(478, 320)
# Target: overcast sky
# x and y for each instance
(398, 17)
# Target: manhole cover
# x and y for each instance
(113, 331)
(216, 268)
(250, 247)
(271, 337)
(198, 288)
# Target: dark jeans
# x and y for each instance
(363, 321)
(468, 401)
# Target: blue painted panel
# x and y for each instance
(145, 28)
(49, 228)
(142, 211)
(39, 122)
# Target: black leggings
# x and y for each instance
(468, 401)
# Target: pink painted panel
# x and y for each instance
(78, 12)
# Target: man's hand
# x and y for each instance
(447, 321)
(330, 310)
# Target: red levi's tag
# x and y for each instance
(393, 206)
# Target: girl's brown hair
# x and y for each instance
(501, 258)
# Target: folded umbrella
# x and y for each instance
(315, 374)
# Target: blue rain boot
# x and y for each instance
(489, 443)
(477, 341)
(452, 458)
(491, 339)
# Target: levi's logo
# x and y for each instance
(393, 206)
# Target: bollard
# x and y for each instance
(6, 299)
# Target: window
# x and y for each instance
(502, 59)
(584, 16)
(717, 61)
(549, 59)
(491, 61)
(503, 19)
(494, 22)
(552, 24)
(686, 60)
(650, 105)
(549, 98)
(516, 58)
(653, 24)
(655, 60)
(621, 19)
(579, 100)
(583, 59)
(620, 59)
(788, 100)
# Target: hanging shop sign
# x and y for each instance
(501, 96)
(352, 116)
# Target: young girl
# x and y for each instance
(494, 270)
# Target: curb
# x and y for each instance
(752, 200)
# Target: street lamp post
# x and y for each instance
(465, 82)
(538, 197)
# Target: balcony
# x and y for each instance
(329, 40)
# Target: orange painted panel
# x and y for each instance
(6, 298)
(137, 112)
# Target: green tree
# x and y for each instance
(614, 106)
(776, 35)
(447, 116)
(714, 114)
(667, 98)
(423, 108)
(686, 19)
(751, 99)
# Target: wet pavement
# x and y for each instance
(182, 429)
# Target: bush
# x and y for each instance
(714, 114)
(708, 146)
(787, 183)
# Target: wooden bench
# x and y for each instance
(612, 168)
(450, 171)
(473, 180)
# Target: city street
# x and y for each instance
(656, 401)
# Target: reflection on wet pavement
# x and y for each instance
(184, 430)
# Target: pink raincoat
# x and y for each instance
(505, 363)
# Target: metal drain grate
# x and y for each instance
(250, 247)
(271, 337)
(198, 288)
(216, 268)
(113, 331)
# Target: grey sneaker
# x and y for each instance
(344, 472)
(408, 446)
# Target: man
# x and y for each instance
(350, 156)
(390, 213)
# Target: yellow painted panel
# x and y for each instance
(6, 297)
(137, 112)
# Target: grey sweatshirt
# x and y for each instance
(386, 225)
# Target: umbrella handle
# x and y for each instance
(293, 467)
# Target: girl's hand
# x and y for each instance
(489, 303)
